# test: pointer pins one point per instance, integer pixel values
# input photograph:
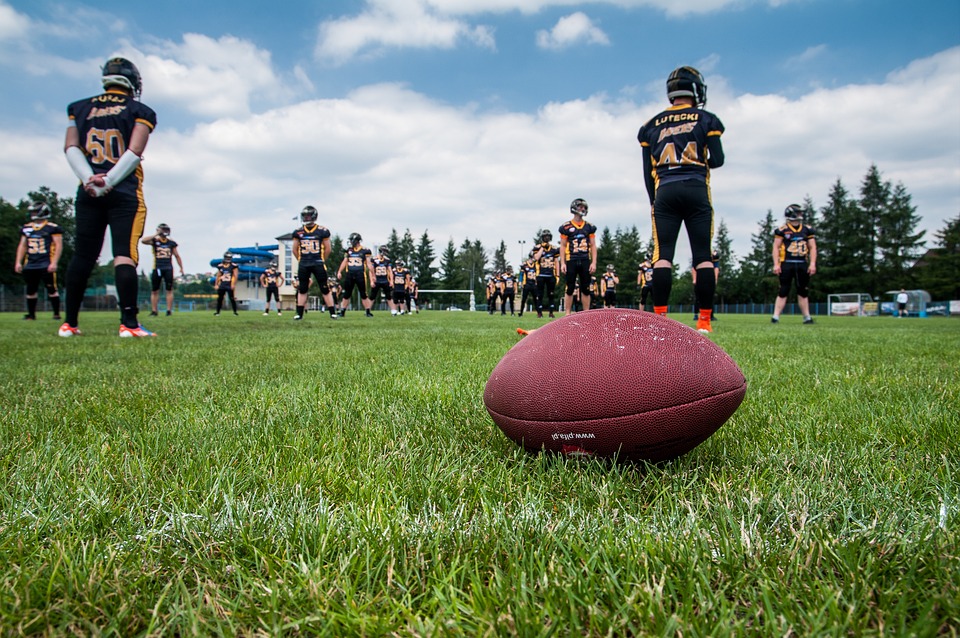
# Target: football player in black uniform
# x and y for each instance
(164, 251)
(578, 254)
(608, 287)
(272, 279)
(358, 263)
(528, 281)
(38, 254)
(645, 282)
(680, 146)
(401, 284)
(104, 143)
(381, 279)
(226, 282)
(547, 258)
(311, 245)
(794, 260)
(508, 290)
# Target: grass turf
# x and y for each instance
(256, 475)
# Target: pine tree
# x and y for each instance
(422, 265)
(873, 204)
(407, 248)
(500, 257)
(840, 247)
(393, 245)
(756, 281)
(899, 243)
(939, 271)
(726, 285)
(606, 248)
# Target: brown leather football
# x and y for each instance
(614, 382)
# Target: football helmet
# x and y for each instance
(579, 207)
(609, 267)
(383, 250)
(38, 211)
(227, 257)
(355, 239)
(308, 214)
(546, 236)
(123, 73)
(716, 255)
(686, 81)
(793, 212)
(163, 229)
(398, 263)
(273, 265)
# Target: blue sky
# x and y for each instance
(484, 118)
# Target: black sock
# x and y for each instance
(662, 282)
(705, 287)
(55, 302)
(32, 307)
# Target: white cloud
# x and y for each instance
(206, 76)
(395, 23)
(571, 30)
(385, 156)
(13, 25)
(808, 55)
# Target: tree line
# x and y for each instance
(868, 243)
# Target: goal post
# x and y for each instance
(851, 304)
(472, 297)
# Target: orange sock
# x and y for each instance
(660, 310)
(706, 315)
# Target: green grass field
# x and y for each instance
(257, 476)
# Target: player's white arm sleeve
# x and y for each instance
(127, 163)
(78, 162)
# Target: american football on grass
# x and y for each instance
(614, 383)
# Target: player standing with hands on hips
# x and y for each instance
(680, 146)
(794, 260)
(164, 252)
(38, 253)
(105, 140)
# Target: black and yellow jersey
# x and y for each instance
(270, 278)
(547, 263)
(105, 123)
(311, 243)
(357, 258)
(226, 275)
(608, 282)
(381, 270)
(795, 246)
(162, 252)
(400, 277)
(40, 246)
(645, 275)
(579, 239)
(528, 273)
(677, 142)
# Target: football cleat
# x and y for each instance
(139, 331)
(808, 320)
(774, 320)
(66, 330)
(29, 318)
(297, 317)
